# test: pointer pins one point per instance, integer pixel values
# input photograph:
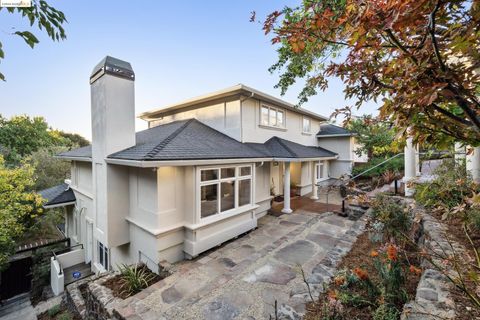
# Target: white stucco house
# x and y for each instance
(203, 173)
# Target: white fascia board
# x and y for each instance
(335, 135)
(304, 159)
(64, 204)
(178, 163)
(83, 159)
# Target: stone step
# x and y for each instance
(15, 304)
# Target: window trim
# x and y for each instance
(105, 254)
(320, 168)
(309, 125)
(277, 110)
(237, 178)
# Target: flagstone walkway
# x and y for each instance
(244, 278)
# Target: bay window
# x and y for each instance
(224, 188)
(272, 117)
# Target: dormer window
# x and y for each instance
(307, 125)
(272, 117)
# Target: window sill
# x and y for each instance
(99, 267)
(307, 133)
(272, 128)
(222, 216)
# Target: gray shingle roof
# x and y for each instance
(192, 140)
(57, 195)
(83, 152)
(185, 140)
(277, 147)
(333, 130)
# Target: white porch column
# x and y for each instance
(410, 166)
(286, 189)
(314, 182)
(417, 161)
(459, 152)
(473, 164)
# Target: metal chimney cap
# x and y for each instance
(112, 66)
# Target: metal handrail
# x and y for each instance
(54, 253)
(376, 166)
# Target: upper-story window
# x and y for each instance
(224, 188)
(272, 117)
(307, 125)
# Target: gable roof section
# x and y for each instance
(58, 195)
(238, 90)
(279, 148)
(331, 130)
(185, 140)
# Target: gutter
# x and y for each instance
(84, 159)
(178, 163)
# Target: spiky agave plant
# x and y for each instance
(134, 278)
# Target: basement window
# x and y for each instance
(224, 189)
(103, 255)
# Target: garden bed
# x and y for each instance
(381, 271)
(119, 284)
(360, 257)
(464, 309)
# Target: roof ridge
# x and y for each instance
(167, 140)
(285, 146)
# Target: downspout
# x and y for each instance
(241, 114)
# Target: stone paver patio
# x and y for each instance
(242, 279)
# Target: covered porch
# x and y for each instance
(295, 169)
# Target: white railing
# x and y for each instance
(59, 262)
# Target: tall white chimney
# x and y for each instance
(113, 129)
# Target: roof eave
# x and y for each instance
(235, 90)
(335, 135)
(168, 163)
(70, 158)
(56, 205)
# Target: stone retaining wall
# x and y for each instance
(433, 299)
(96, 302)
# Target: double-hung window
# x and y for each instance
(272, 117)
(224, 188)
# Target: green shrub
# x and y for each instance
(53, 311)
(386, 312)
(65, 316)
(135, 278)
(393, 219)
(450, 189)
(394, 165)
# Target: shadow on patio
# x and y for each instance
(305, 204)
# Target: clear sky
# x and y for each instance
(178, 50)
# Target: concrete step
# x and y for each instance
(15, 305)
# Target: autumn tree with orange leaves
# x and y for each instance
(419, 58)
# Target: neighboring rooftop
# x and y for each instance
(331, 130)
(58, 195)
(238, 90)
(192, 140)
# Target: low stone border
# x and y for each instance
(433, 299)
(323, 272)
(74, 299)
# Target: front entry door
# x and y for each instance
(89, 242)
